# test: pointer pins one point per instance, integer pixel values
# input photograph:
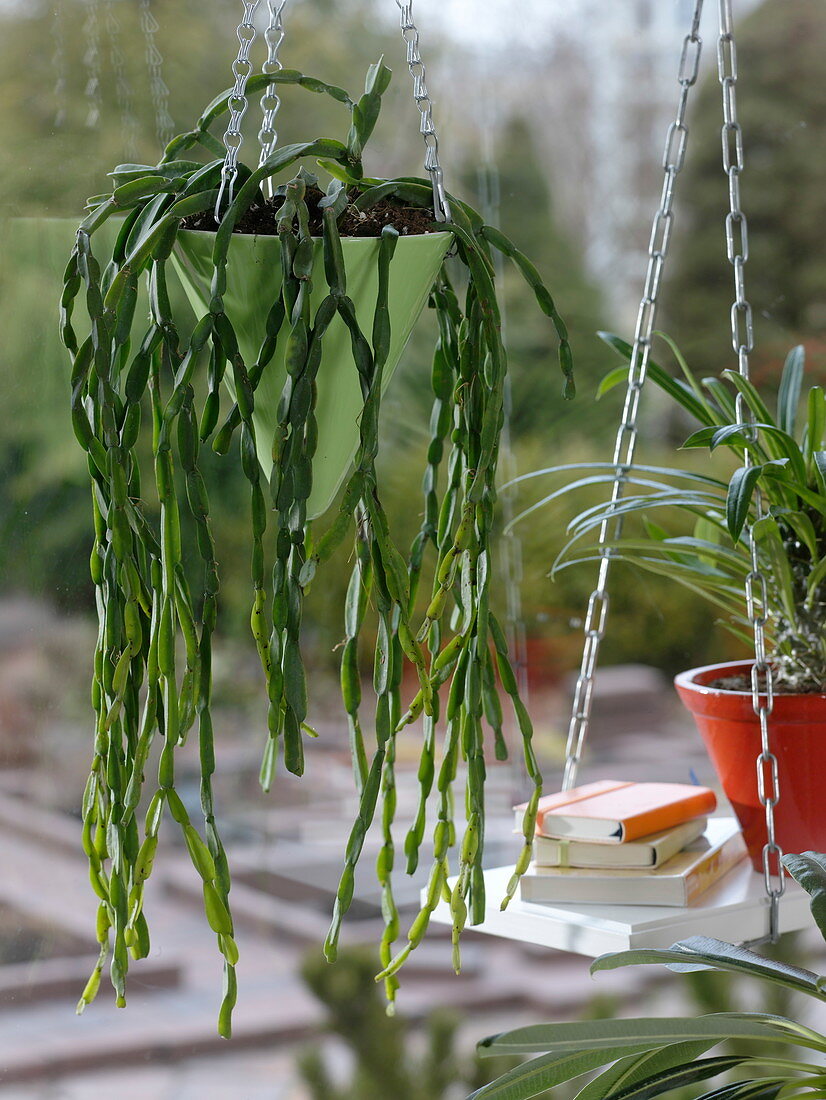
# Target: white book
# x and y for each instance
(680, 881)
(648, 852)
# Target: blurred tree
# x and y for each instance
(526, 213)
(512, 191)
(75, 91)
(45, 510)
(782, 109)
(384, 1064)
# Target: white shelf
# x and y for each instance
(735, 909)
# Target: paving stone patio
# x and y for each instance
(165, 1044)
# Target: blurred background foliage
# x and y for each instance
(53, 154)
(782, 110)
(385, 1062)
(388, 1058)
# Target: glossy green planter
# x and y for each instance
(253, 281)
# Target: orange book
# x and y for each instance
(614, 811)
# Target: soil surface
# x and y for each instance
(261, 218)
(742, 682)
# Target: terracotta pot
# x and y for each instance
(731, 732)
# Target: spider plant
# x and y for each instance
(158, 597)
(657, 1056)
(712, 559)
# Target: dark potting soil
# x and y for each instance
(261, 218)
(742, 682)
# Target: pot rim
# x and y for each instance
(688, 681)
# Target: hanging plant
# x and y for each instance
(158, 608)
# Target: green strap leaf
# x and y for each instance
(788, 395)
(815, 422)
(688, 374)
(809, 869)
(629, 1071)
(702, 952)
(674, 387)
(705, 437)
(616, 1035)
(814, 580)
(783, 446)
(802, 525)
(676, 1077)
(772, 443)
(366, 111)
(820, 465)
(698, 503)
(612, 379)
(603, 479)
(751, 396)
(610, 470)
(534, 1077)
(738, 499)
(722, 397)
(767, 535)
(717, 590)
(747, 1090)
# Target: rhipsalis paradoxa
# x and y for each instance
(158, 599)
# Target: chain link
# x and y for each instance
(742, 339)
(490, 205)
(511, 544)
(241, 70)
(158, 90)
(489, 182)
(415, 64)
(270, 100)
(626, 439)
(58, 31)
(123, 90)
(91, 62)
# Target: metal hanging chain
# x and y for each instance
(742, 339)
(415, 64)
(626, 439)
(164, 123)
(123, 90)
(233, 138)
(270, 100)
(509, 540)
(59, 65)
(91, 61)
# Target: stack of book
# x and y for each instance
(623, 843)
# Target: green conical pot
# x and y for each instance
(253, 281)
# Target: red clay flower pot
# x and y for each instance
(731, 732)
